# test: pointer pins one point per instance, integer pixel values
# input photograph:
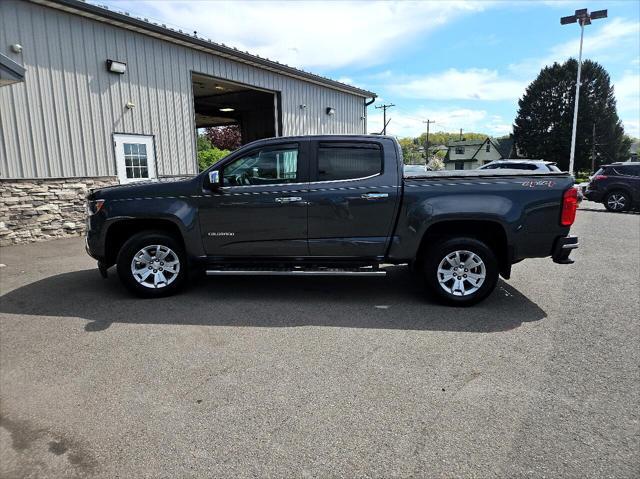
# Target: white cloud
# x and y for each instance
(309, 34)
(405, 124)
(627, 91)
(632, 127)
(453, 84)
(347, 80)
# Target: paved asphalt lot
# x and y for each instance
(255, 377)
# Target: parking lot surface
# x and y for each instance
(324, 377)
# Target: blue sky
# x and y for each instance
(462, 63)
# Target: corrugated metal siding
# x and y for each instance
(60, 121)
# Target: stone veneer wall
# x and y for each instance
(42, 209)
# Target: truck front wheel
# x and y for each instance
(461, 271)
(152, 264)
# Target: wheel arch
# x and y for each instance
(120, 231)
(492, 233)
(626, 189)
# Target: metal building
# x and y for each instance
(80, 84)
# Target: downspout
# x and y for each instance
(366, 104)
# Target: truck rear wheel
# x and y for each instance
(461, 271)
(152, 264)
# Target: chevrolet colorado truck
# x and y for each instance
(331, 205)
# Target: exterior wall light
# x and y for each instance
(116, 67)
(16, 48)
(303, 106)
(129, 105)
(331, 110)
(227, 109)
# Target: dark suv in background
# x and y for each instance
(617, 186)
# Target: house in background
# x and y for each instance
(471, 154)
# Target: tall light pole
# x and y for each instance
(582, 17)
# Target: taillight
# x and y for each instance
(599, 177)
(569, 207)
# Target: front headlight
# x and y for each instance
(93, 206)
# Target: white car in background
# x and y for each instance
(415, 170)
(530, 165)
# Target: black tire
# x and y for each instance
(448, 246)
(147, 288)
(617, 201)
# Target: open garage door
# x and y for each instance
(218, 102)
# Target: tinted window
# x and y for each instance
(271, 165)
(518, 166)
(553, 168)
(626, 170)
(346, 162)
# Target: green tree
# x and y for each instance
(412, 152)
(443, 137)
(208, 155)
(543, 124)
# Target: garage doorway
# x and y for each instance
(219, 102)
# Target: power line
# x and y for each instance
(384, 116)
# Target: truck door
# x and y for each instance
(352, 198)
(261, 207)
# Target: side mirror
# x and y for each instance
(214, 179)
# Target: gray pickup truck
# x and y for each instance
(331, 205)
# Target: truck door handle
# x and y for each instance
(288, 199)
(374, 196)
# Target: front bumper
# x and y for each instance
(563, 248)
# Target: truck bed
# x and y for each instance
(484, 173)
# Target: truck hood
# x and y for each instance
(156, 187)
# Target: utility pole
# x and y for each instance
(384, 116)
(426, 145)
(582, 17)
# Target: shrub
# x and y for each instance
(209, 157)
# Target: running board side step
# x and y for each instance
(295, 272)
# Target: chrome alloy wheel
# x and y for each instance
(461, 273)
(617, 201)
(155, 266)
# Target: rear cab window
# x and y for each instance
(348, 161)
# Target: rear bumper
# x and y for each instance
(563, 248)
(593, 195)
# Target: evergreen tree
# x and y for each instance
(543, 125)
